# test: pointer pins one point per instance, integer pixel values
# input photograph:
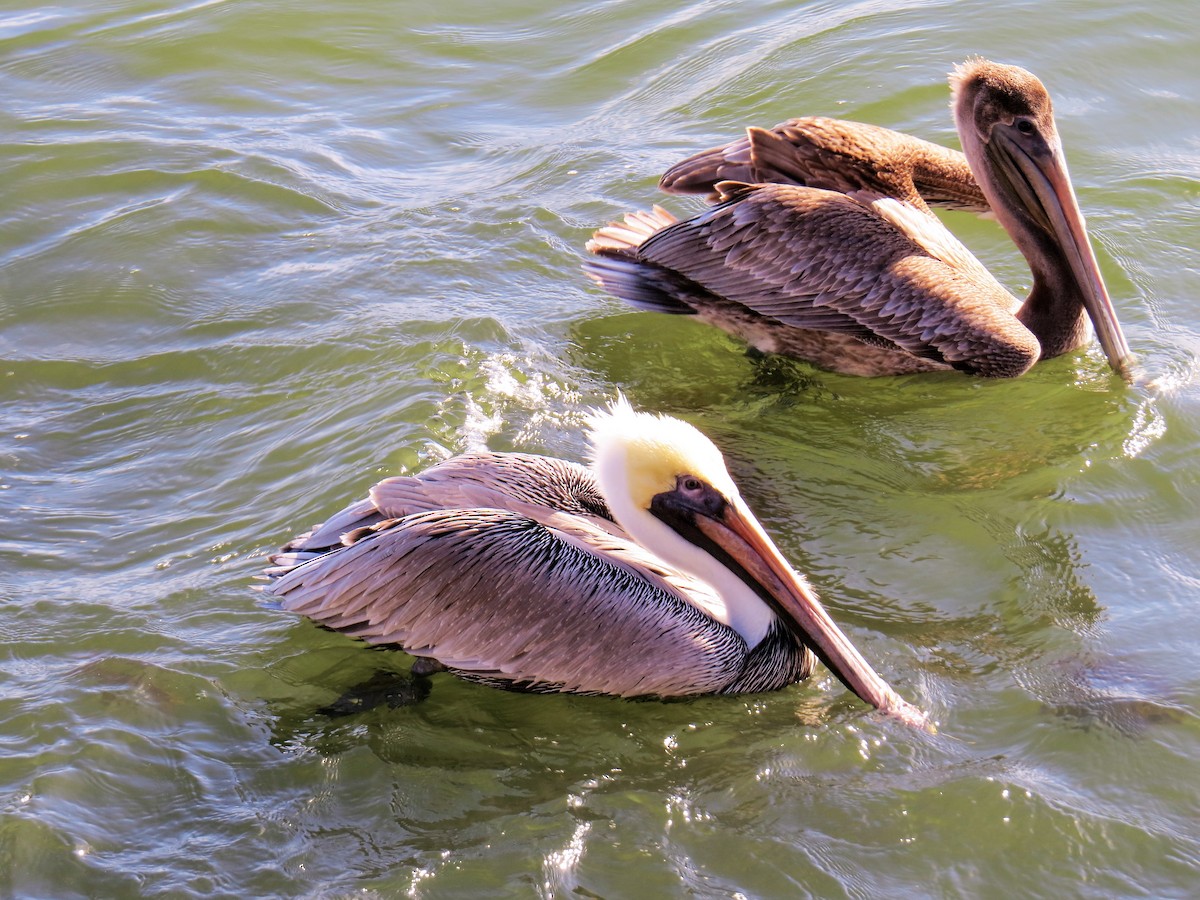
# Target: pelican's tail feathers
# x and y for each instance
(638, 284)
(626, 236)
(617, 268)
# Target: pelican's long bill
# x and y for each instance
(1036, 172)
(726, 528)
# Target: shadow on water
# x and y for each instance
(388, 689)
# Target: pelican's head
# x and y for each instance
(1005, 121)
(667, 485)
(984, 93)
(638, 455)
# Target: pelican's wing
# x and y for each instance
(858, 263)
(471, 480)
(835, 155)
(556, 604)
(494, 480)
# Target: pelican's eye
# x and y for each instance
(699, 495)
(1025, 126)
(690, 497)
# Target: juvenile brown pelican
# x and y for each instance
(870, 284)
(646, 575)
(837, 155)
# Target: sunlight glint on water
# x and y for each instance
(254, 258)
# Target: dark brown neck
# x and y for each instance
(1054, 309)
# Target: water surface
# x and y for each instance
(255, 256)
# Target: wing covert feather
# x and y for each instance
(480, 479)
(837, 155)
(485, 479)
(819, 259)
(554, 605)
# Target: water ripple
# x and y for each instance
(253, 258)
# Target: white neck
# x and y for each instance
(737, 606)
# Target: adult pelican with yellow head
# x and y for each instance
(645, 575)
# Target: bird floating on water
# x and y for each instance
(851, 270)
(644, 576)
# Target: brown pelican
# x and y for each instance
(646, 575)
(870, 283)
(837, 155)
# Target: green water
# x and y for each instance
(254, 256)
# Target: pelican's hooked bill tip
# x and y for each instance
(910, 715)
